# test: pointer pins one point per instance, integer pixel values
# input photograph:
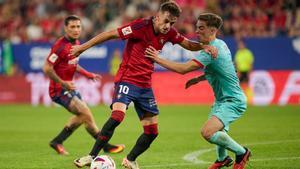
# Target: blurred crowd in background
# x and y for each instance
(42, 20)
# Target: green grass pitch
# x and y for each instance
(272, 133)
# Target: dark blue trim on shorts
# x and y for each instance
(65, 97)
(143, 98)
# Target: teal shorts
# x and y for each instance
(227, 112)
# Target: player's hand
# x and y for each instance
(95, 77)
(76, 50)
(151, 53)
(213, 51)
(68, 85)
(194, 81)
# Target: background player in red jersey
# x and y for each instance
(133, 80)
(60, 67)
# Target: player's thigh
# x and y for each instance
(119, 106)
(212, 125)
(124, 94)
(79, 107)
(146, 105)
(226, 112)
(66, 99)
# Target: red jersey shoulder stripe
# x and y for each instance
(140, 23)
(59, 45)
(198, 63)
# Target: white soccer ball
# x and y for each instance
(103, 162)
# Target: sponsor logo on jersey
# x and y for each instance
(126, 31)
(53, 57)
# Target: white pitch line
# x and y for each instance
(168, 165)
(193, 156)
(193, 159)
(276, 158)
(206, 162)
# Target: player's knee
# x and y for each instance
(87, 118)
(151, 129)
(81, 110)
(118, 115)
(205, 134)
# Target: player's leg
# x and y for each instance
(83, 115)
(150, 126)
(117, 116)
(64, 99)
(147, 110)
(121, 100)
(107, 131)
(213, 132)
(149, 123)
(221, 153)
(73, 123)
(222, 158)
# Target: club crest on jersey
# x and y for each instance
(161, 41)
(73, 61)
(127, 30)
(119, 96)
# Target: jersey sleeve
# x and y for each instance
(203, 59)
(175, 37)
(55, 53)
(132, 30)
(52, 57)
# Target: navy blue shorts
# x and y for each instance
(65, 97)
(143, 98)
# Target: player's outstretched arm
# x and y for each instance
(194, 81)
(50, 72)
(196, 46)
(87, 74)
(100, 38)
(180, 68)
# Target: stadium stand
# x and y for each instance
(33, 21)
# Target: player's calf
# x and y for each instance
(143, 142)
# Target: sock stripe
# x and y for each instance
(151, 129)
(118, 115)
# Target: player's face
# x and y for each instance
(204, 32)
(164, 22)
(73, 29)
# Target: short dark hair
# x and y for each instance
(171, 7)
(212, 20)
(71, 18)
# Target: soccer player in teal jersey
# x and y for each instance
(230, 101)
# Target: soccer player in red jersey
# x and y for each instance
(133, 80)
(60, 67)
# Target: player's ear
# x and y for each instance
(65, 29)
(213, 30)
(156, 18)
